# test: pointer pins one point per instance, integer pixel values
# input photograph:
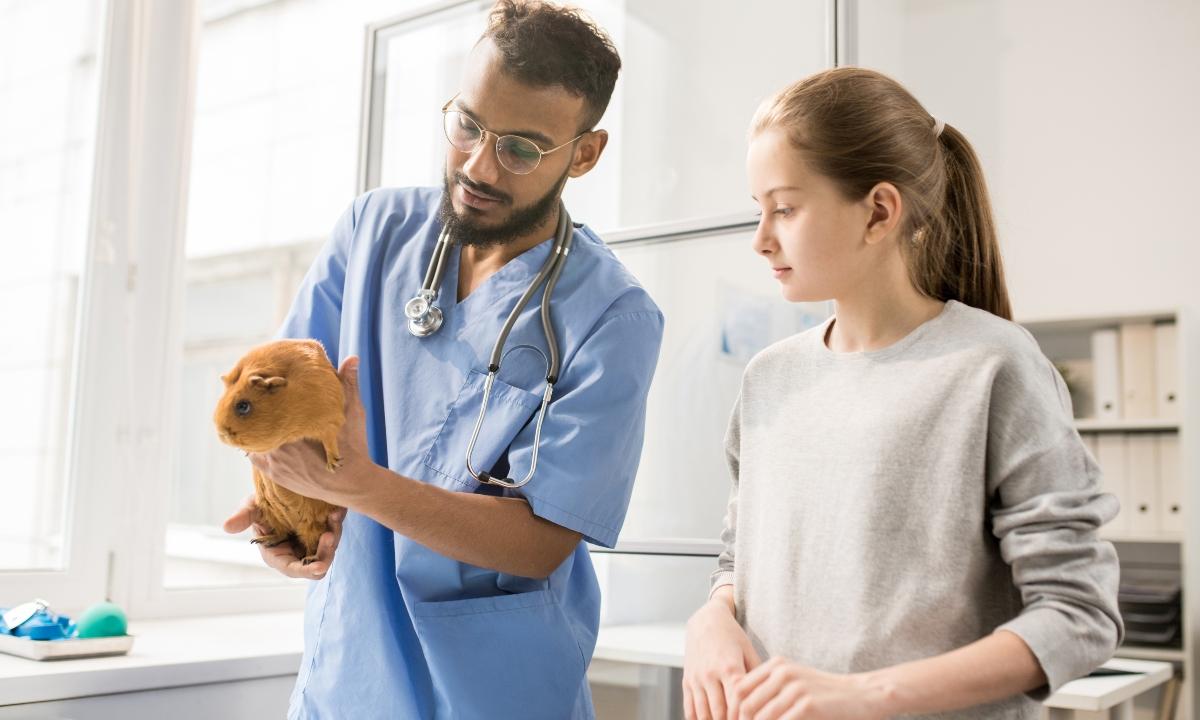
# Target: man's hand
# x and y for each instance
(283, 557)
(301, 467)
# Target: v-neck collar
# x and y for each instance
(519, 271)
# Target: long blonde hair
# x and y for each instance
(859, 128)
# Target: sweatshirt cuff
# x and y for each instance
(1064, 655)
(720, 578)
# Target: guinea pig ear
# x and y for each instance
(268, 384)
(232, 376)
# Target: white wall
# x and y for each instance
(1084, 113)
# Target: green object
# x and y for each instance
(101, 620)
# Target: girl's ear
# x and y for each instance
(886, 206)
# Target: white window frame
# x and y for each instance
(122, 423)
(147, 129)
(86, 562)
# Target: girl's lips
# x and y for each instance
(780, 271)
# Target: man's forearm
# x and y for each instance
(492, 532)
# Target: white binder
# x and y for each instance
(1110, 454)
(1106, 374)
(1170, 478)
(1141, 452)
(1166, 357)
(1138, 396)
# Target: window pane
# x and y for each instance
(722, 309)
(275, 146)
(678, 117)
(48, 84)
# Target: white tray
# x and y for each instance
(65, 649)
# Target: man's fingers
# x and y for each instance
(242, 518)
(282, 558)
(349, 376)
(335, 520)
(326, 547)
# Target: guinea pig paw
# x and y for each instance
(333, 464)
(308, 560)
(269, 540)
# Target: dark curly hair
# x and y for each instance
(544, 44)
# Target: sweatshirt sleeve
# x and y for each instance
(1046, 509)
(723, 575)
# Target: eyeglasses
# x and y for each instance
(518, 155)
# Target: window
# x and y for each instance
(48, 92)
(274, 149)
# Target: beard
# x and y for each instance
(520, 221)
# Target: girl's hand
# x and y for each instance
(717, 654)
(783, 689)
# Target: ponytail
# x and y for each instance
(958, 257)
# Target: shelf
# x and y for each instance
(1150, 653)
(1146, 539)
(664, 546)
(1089, 323)
(1093, 425)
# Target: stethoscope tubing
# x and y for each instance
(548, 274)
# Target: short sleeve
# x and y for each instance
(316, 311)
(592, 438)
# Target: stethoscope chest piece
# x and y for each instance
(424, 318)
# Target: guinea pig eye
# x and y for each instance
(242, 408)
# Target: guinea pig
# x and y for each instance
(279, 393)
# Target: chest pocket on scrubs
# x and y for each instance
(511, 655)
(509, 409)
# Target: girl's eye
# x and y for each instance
(783, 211)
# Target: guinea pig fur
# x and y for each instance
(278, 393)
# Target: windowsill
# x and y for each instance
(228, 648)
(165, 653)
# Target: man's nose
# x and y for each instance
(482, 165)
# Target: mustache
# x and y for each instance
(482, 188)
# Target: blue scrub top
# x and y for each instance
(395, 630)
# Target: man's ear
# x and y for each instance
(587, 152)
(885, 205)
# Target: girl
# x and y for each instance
(912, 526)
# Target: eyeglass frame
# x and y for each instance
(483, 132)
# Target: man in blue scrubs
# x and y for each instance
(447, 597)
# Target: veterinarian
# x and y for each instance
(440, 595)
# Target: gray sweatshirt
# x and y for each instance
(897, 504)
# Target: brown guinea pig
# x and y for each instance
(279, 393)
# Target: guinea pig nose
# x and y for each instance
(242, 408)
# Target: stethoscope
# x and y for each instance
(425, 318)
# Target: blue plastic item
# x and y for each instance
(41, 625)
